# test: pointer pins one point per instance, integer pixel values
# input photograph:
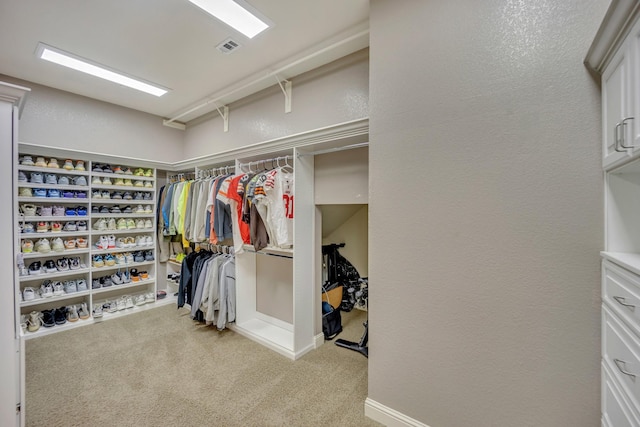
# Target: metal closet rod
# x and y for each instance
(179, 176)
(222, 170)
(264, 162)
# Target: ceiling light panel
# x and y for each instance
(236, 14)
(75, 62)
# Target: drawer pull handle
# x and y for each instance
(622, 301)
(622, 362)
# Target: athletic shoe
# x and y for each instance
(80, 166)
(82, 225)
(115, 209)
(106, 194)
(70, 226)
(63, 180)
(96, 180)
(97, 311)
(81, 211)
(82, 243)
(98, 261)
(27, 246)
(127, 209)
(58, 210)
(53, 163)
(128, 183)
(53, 193)
(107, 169)
(28, 228)
(81, 285)
(60, 315)
(117, 195)
(70, 286)
(67, 194)
(25, 192)
(102, 243)
(127, 195)
(120, 259)
(50, 266)
(43, 246)
(121, 304)
(111, 224)
(139, 172)
(95, 194)
(50, 179)
(80, 180)
(39, 192)
(116, 279)
(34, 321)
(48, 318)
(74, 263)
(140, 241)
(122, 224)
(40, 162)
(72, 314)
(97, 167)
(126, 277)
(118, 181)
(144, 275)
(36, 178)
(128, 257)
(129, 242)
(131, 225)
(104, 209)
(111, 241)
(22, 177)
(148, 297)
(139, 209)
(70, 244)
(106, 181)
(83, 311)
(148, 223)
(138, 184)
(106, 281)
(56, 227)
(147, 196)
(138, 256)
(148, 256)
(42, 227)
(148, 172)
(95, 284)
(148, 184)
(140, 224)
(138, 196)
(80, 194)
(128, 301)
(46, 289)
(68, 165)
(100, 225)
(62, 264)
(58, 289)
(70, 211)
(147, 209)
(139, 299)
(27, 161)
(117, 169)
(28, 210)
(35, 268)
(57, 245)
(127, 171)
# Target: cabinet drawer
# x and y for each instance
(615, 408)
(621, 292)
(621, 352)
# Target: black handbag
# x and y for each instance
(331, 320)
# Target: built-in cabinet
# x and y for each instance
(615, 54)
(85, 241)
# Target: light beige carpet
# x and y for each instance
(160, 368)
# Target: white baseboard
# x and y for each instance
(319, 340)
(387, 416)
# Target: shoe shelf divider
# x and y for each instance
(91, 296)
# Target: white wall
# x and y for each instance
(342, 177)
(486, 212)
(335, 93)
(61, 119)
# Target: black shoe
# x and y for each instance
(48, 318)
(60, 315)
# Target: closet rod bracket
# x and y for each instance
(286, 90)
(225, 116)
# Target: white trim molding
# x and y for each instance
(387, 416)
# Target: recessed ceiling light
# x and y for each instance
(75, 62)
(234, 14)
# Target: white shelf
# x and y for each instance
(286, 252)
(115, 287)
(65, 253)
(54, 201)
(65, 297)
(52, 219)
(35, 235)
(97, 270)
(121, 188)
(131, 231)
(121, 215)
(54, 186)
(630, 261)
(268, 334)
(59, 171)
(122, 250)
(114, 175)
(132, 202)
(58, 274)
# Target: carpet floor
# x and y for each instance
(160, 368)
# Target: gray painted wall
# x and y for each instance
(484, 302)
(335, 93)
(61, 119)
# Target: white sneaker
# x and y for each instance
(43, 246)
(111, 224)
(140, 300)
(103, 243)
(100, 225)
(29, 294)
(58, 289)
(148, 223)
(111, 242)
(148, 241)
(57, 244)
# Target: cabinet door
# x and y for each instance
(633, 40)
(615, 108)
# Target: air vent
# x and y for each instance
(228, 46)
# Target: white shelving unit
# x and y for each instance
(144, 185)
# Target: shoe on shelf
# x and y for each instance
(116, 279)
(127, 209)
(81, 285)
(118, 170)
(127, 195)
(68, 165)
(140, 224)
(139, 209)
(121, 304)
(35, 268)
(69, 211)
(106, 281)
(97, 311)
(111, 241)
(148, 256)
(128, 183)
(107, 169)
(26, 161)
(72, 313)
(95, 284)
(138, 184)
(118, 181)
(39, 192)
(70, 226)
(80, 166)
(148, 184)
(58, 289)
(81, 211)
(144, 275)
(128, 258)
(120, 259)
(122, 224)
(57, 244)
(50, 179)
(131, 225)
(97, 167)
(148, 297)
(82, 243)
(42, 227)
(43, 246)
(46, 289)
(139, 172)
(36, 178)
(56, 227)
(50, 266)
(28, 228)
(40, 162)
(135, 276)
(98, 261)
(147, 196)
(70, 244)
(62, 264)
(109, 260)
(96, 180)
(58, 210)
(53, 193)
(117, 195)
(102, 243)
(28, 209)
(106, 194)
(27, 246)
(82, 225)
(74, 263)
(53, 163)
(60, 315)
(63, 180)
(126, 277)
(83, 311)
(148, 172)
(25, 192)
(22, 177)
(48, 318)
(34, 321)
(115, 209)
(95, 194)
(127, 171)
(111, 224)
(148, 223)
(80, 180)
(139, 299)
(29, 294)
(128, 301)
(100, 225)
(70, 286)
(45, 211)
(106, 181)
(147, 209)
(68, 194)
